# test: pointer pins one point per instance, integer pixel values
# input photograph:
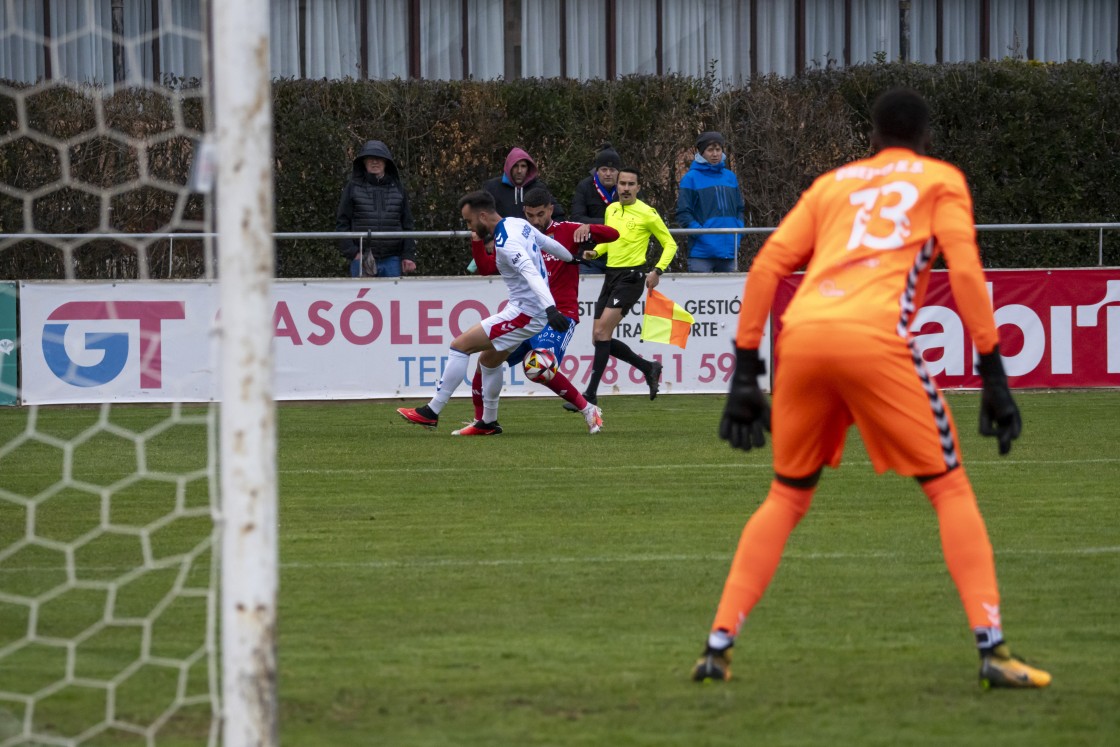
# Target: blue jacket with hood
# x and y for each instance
(709, 197)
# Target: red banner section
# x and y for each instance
(1058, 328)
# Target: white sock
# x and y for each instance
(988, 637)
(453, 374)
(719, 640)
(492, 380)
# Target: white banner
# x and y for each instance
(341, 339)
(117, 342)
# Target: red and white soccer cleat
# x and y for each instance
(420, 416)
(594, 417)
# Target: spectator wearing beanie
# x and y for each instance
(593, 194)
(709, 197)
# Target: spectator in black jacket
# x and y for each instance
(593, 194)
(519, 175)
(374, 199)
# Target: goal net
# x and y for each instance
(137, 521)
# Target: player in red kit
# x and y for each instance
(563, 281)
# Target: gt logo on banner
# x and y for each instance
(113, 344)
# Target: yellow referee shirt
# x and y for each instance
(635, 224)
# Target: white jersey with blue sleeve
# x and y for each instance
(517, 254)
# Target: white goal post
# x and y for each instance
(138, 544)
(249, 557)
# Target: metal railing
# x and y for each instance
(1100, 228)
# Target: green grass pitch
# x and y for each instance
(544, 587)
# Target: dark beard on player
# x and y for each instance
(487, 240)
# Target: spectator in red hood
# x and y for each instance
(518, 176)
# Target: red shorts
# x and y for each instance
(830, 376)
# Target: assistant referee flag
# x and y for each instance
(665, 321)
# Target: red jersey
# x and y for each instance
(563, 277)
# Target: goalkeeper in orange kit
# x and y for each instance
(868, 234)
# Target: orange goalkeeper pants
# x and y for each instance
(830, 376)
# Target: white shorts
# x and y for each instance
(510, 327)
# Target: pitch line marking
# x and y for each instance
(663, 467)
(571, 560)
(594, 559)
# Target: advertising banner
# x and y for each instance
(117, 342)
(1058, 328)
(9, 372)
(333, 339)
(378, 338)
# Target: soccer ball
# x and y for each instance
(540, 365)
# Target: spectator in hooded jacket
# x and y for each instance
(374, 199)
(519, 175)
(709, 197)
(593, 194)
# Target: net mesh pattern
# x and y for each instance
(108, 601)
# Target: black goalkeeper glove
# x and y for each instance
(747, 412)
(999, 416)
(556, 320)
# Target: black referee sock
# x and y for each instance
(622, 351)
(602, 356)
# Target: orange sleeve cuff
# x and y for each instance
(971, 294)
(758, 297)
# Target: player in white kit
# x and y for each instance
(517, 252)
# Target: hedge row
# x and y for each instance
(1039, 142)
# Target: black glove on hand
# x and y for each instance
(747, 412)
(999, 416)
(556, 320)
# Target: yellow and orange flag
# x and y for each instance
(665, 321)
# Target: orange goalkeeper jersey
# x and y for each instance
(867, 234)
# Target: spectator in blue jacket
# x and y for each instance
(709, 197)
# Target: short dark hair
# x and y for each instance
(537, 197)
(900, 115)
(480, 199)
(631, 170)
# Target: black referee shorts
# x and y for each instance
(622, 288)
